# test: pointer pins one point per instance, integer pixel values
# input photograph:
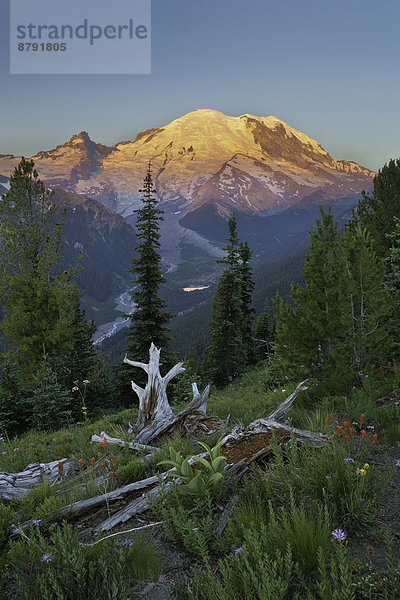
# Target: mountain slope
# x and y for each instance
(205, 158)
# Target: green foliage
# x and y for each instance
(336, 327)
(263, 333)
(251, 573)
(15, 409)
(190, 520)
(194, 481)
(59, 568)
(150, 317)
(377, 212)
(37, 302)
(231, 347)
(50, 401)
(6, 513)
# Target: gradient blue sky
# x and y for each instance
(328, 68)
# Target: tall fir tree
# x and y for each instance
(262, 333)
(307, 328)
(231, 341)
(336, 325)
(37, 302)
(247, 287)
(150, 318)
(377, 211)
(364, 337)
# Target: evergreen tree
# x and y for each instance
(52, 404)
(377, 211)
(365, 302)
(247, 287)
(38, 304)
(15, 408)
(306, 329)
(227, 354)
(336, 326)
(150, 317)
(263, 333)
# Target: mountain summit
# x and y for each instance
(204, 160)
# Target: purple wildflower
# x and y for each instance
(398, 462)
(36, 522)
(229, 377)
(339, 534)
(348, 459)
(47, 557)
(275, 390)
(127, 542)
(239, 550)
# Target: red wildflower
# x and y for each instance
(374, 438)
(362, 417)
(363, 433)
(112, 456)
(60, 466)
(80, 463)
(346, 424)
(381, 369)
(99, 454)
(352, 430)
(339, 430)
(92, 461)
(346, 438)
(102, 467)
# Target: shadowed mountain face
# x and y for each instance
(247, 164)
(105, 240)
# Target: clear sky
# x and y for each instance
(330, 68)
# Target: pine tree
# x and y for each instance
(227, 355)
(263, 333)
(36, 301)
(52, 404)
(150, 318)
(377, 211)
(247, 287)
(364, 338)
(307, 329)
(336, 325)
(15, 408)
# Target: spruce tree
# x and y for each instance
(263, 333)
(378, 210)
(37, 302)
(150, 318)
(227, 355)
(308, 327)
(364, 337)
(247, 286)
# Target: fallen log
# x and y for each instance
(14, 486)
(240, 447)
(119, 442)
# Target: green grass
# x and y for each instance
(283, 519)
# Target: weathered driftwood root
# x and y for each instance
(156, 417)
(14, 486)
(118, 442)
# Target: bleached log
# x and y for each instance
(118, 442)
(136, 507)
(14, 486)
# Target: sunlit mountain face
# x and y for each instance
(204, 160)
